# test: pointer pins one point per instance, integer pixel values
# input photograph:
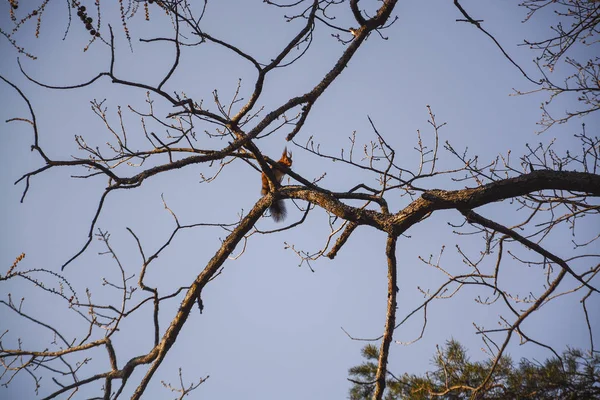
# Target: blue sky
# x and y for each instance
(271, 329)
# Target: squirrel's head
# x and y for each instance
(286, 157)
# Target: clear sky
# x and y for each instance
(270, 329)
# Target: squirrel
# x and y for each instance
(277, 208)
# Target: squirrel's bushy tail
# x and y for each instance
(278, 211)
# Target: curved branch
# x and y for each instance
(476, 218)
(477, 23)
(434, 200)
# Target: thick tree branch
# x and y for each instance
(170, 336)
(434, 200)
(390, 318)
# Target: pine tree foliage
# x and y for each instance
(576, 375)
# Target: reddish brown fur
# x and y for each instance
(277, 209)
